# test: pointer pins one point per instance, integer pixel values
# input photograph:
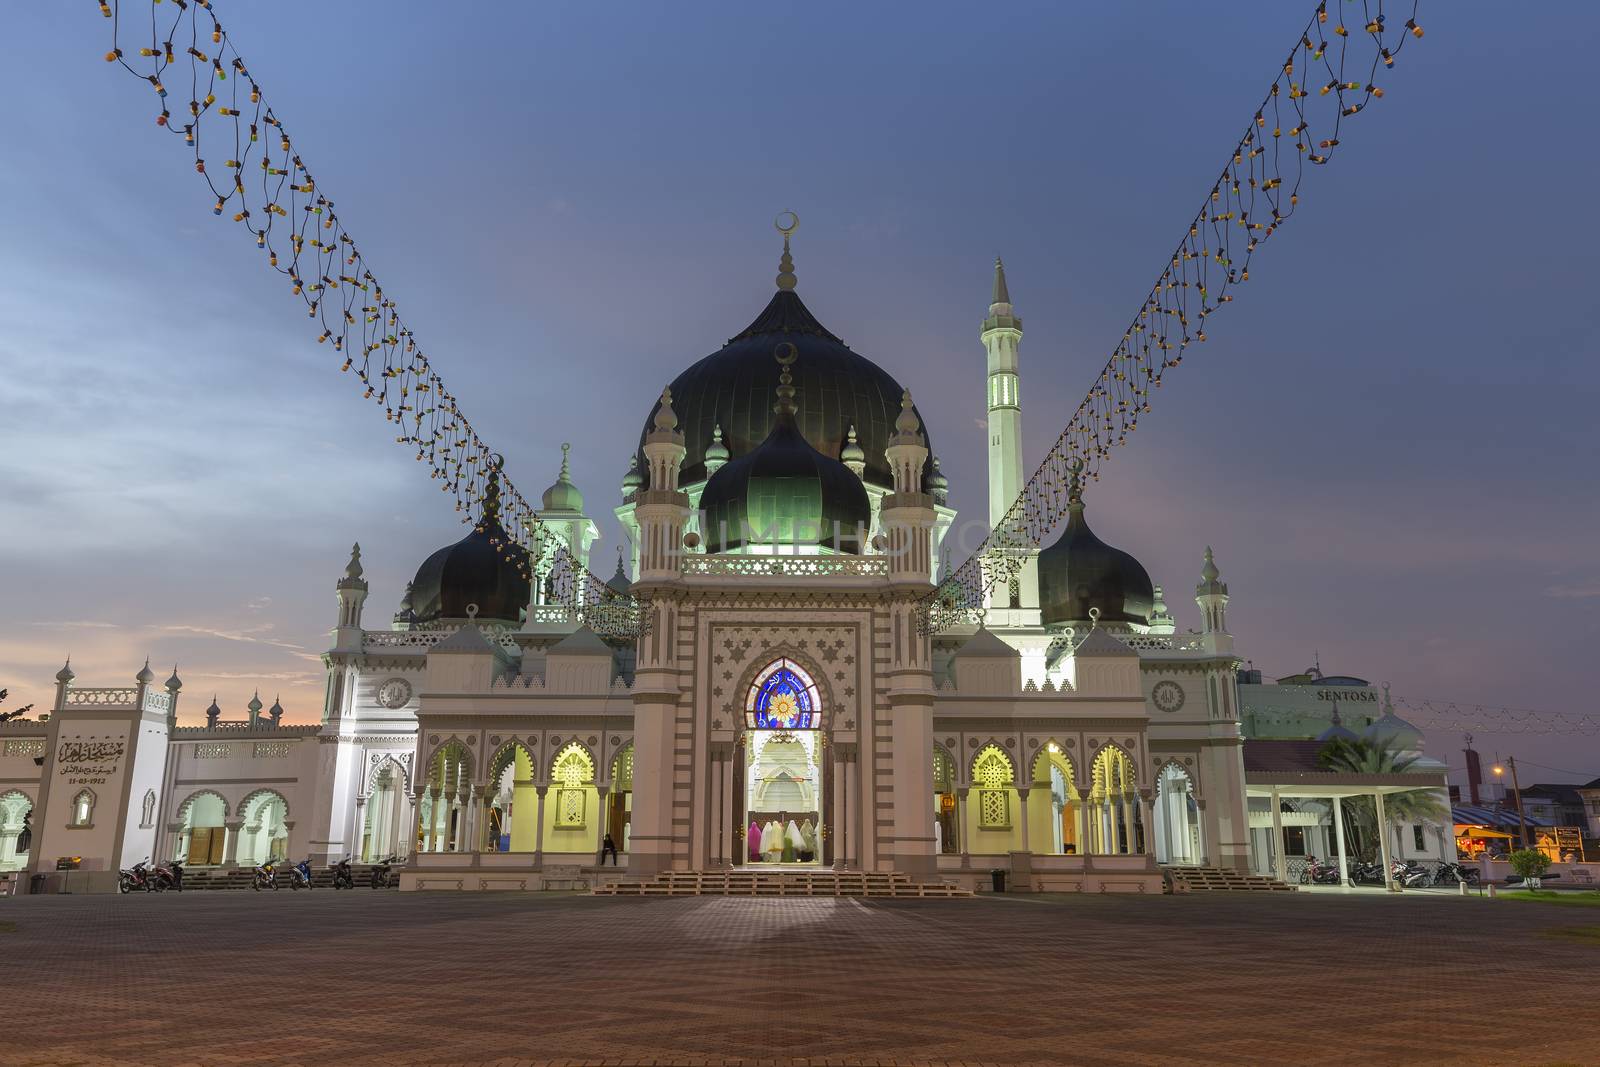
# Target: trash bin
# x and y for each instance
(36, 883)
(998, 877)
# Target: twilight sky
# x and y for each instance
(1389, 439)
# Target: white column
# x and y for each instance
(1338, 836)
(840, 823)
(230, 848)
(1383, 843)
(961, 825)
(538, 830)
(1280, 865)
(1146, 819)
(600, 792)
(1022, 803)
(852, 800)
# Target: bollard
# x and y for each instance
(1463, 888)
(1491, 889)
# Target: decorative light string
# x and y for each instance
(1491, 719)
(1330, 75)
(244, 153)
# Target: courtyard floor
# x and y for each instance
(404, 978)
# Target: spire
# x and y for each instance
(1075, 486)
(1209, 572)
(563, 495)
(666, 419)
(907, 421)
(491, 491)
(852, 455)
(353, 568)
(1002, 295)
(787, 222)
(785, 354)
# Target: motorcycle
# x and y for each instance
(1318, 873)
(135, 877)
(381, 878)
(1410, 875)
(1366, 873)
(300, 875)
(168, 876)
(265, 877)
(342, 878)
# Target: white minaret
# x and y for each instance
(1009, 603)
(1002, 332)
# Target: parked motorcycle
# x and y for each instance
(1454, 874)
(381, 877)
(1316, 872)
(1366, 873)
(265, 876)
(341, 876)
(168, 876)
(135, 877)
(1409, 874)
(300, 875)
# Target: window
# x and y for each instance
(783, 697)
(83, 809)
(573, 771)
(1294, 840)
(992, 775)
(1416, 837)
(147, 813)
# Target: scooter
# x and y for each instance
(342, 878)
(381, 878)
(135, 877)
(1319, 873)
(300, 875)
(265, 877)
(168, 876)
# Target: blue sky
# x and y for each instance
(1389, 439)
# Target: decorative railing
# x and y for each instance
(422, 640)
(25, 746)
(105, 696)
(787, 566)
(213, 750)
(156, 700)
(1163, 642)
(270, 749)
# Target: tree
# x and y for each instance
(15, 713)
(1531, 864)
(1361, 813)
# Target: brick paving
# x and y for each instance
(507, 979)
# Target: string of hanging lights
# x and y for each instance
(244, 154)
(1491, 719)
(1329, 75)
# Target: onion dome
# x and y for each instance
(174, 683)
(784, 491)
(275, 713)
(65, 675)
(1391, 731)
(1080, 572)
(717, 452)
(730, 387)
(619, 582)
(145, 675)
(563, 495)
(1338, 731)
(213, 713)
(633, 481)
(254, 706)
(851, 455)
(485, 568)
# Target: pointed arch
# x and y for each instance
(81, 814)
(450, 765)
(189, 801)
(1052, 751)
(807, 671)
(944, 770)
(622, 768)
(1175, 815)
(387, 764)
(507, 755)
(994, 775)
(251, 797)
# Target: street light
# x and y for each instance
(1516, 789)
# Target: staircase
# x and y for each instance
(1212, 879)
(754, 882)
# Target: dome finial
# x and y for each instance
(787, 222)
(666, 418)
(65, 675)
(907, 421)
(491, 489)
(353, 568)
(785, 354)
(566, 453)
(1209, 572)
(1075, 484)
(1002, 295)
(563, 495)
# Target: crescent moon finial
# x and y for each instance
(787, 228)
(787, 222)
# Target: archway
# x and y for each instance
(1114, 827)
(442, 809)
(1060, 805)
(946, 809)
(1176, 817)
(512, 801)
(785, 787)
(16, 812)
(203, 839)
(263, 835)
(993, 816)
(619, 804)
(381, 822)
(571, 810)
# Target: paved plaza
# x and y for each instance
(242, 978)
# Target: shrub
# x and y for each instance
(1529, 862)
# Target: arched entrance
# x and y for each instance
(382, 822)
(619, 803)
(1177, 817)
(783, 803)
(203, 838)
(264, 835)
(16, 812)
(513, 801)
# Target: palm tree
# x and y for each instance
(1360, 813)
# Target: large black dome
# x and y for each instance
(1080, 572)
(734, 386)
(485, 568)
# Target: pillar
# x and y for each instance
(1338, 836)
(1146, 822)
(1383, 844)
(1280, 865)
(538, 829)
(841, 840)
(230, 849)
(961, 825)
(600, 792)
(1022, 818)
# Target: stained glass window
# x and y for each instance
(783, 697)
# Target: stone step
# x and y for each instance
(762, 883)
(1222, 879)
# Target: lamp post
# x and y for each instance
(1516, 791)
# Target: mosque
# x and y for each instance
(782, 708)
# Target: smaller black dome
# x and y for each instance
(785, 491)
(485, 568)
(1080, 572)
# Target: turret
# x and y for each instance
(1002, 333)
(907, 514)
(174, 685)
(352, 594)
(662, 510)
(1212, 597)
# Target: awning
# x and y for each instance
(1481, 831)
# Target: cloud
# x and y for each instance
(249, 636)
(77, 624)
(258, 603)
(1580, 591)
